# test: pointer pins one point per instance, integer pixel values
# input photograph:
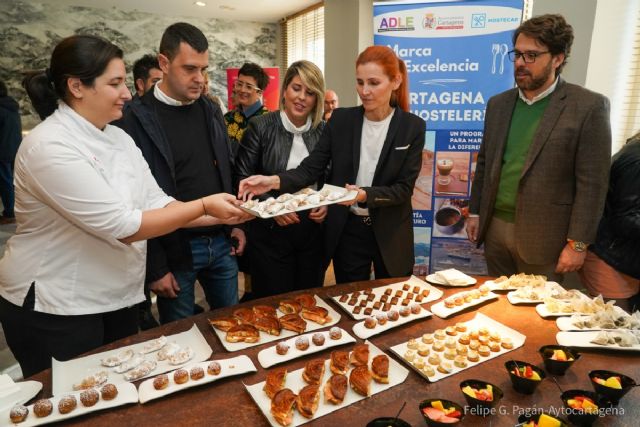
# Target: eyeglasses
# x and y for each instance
(528, 57)
(239, 84)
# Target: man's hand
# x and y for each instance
(570, 260)
(472, 226)
(242, 241)
(318, 214)
(166, 287)
(225, 207)
(287, 219)
(256, 185)
(361, 197)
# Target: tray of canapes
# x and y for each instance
(379, 323)
(324, 386)
(462, 300)
(578, 303)
(619, 340)
(192, 376)
(130, 363)
(260, 324)
(372, 301)
(70, 405)
(307, 198)
(451, 277)
(611, 318)
(537, 294)
(303, 345)
(445, 352)
(516, 281)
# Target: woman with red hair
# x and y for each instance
(376, 149)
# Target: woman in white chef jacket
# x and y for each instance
(85, 204)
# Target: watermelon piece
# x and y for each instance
(433, 413)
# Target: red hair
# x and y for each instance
(392, 66)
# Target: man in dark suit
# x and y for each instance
(541, 175)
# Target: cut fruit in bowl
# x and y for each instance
(441, 412)
(481, 396)
(583, 407)
(524, 376)
(540, 420)
(610, 384)
(557, 358)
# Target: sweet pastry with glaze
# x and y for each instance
(380, 369)
(412, 344)
(363, 303)
(450, 330)
(484, 351)
(439, 334)
(306, 300)
(293, 322)
(399, 294)
(434, 359)
(445, 368)
(357, 309)
(180, 376)
(384, 298)
(484, 332)
(352, 302)
(339, 362)
(244, 315)
(419, 298)
(450, 343)
(386, 306)
(282, 348)
(388, 291)
(42, 408)
(406, 287)
(462, 350)
(109, 392)
(425, 293)
(117, 359)
(160, 382)
(423, 349)
(472, 356)
(450, 353)
(494, 346)
(196, 373)
(18, 414)
(370, 323)
(494, 336)
(168, 351)
(371, 297)
(343, 298)
(405, 302)
(302, 343)
(264, 310)
(318, 339)
(367, 291)
(464, 339)
(267, 324)
(243, 333)
(313, 371)
(437, 346)
(91, 381)
(461, 327)
(416, 308)
(377, 305)
(335, 333)
(154, 345)
(507, 343)
(368, 311)
(418, 362)
(409, 355)
(460, 362)
(483, 339)
(394, 301)
(381, 318)
(274, 381)
(428, 371)
(360, 355)
(449, 302)
(223, 323)
(67, 404)
(290, 306)
(336, 388)
(308, 399)
(316, 314)
(393, 315)
(282, 404)
(427, 338)
(214, 368)
(405, 311)
(360, 380)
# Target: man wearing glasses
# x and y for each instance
(541, 175)
(252, 80)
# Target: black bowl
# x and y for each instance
(535, 417)
(446, 404)
(477, 406)
(557, 367)
(521, 384)
(581, 417)
(613, 394)
(388, 422)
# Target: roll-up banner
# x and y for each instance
(456, 57)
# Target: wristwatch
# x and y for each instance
(577, 246)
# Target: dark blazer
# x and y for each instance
(389, 197)
(564, 179)
(172, 251)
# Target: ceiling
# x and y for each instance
(238, 10)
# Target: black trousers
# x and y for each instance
(34, 337)
(285, 259)
(357, 250)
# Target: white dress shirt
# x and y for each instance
(78, 190)
(298, 151)
(373, 137)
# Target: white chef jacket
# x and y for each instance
(78, 190)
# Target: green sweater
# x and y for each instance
(524, 123)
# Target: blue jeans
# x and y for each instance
(6, 188)
(216, 270)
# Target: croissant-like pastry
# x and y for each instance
(289, 306)
(264, 310)
(275, 381)
(316, 314)
(306, 300)
(282, 406)
(313, 371)
(293, 322)
(267, 324)
(360, 355)
(335, 389)
(240, 333)
(380, 368)
(339, 363)
(223, 323)
(360, 380)
(308, 399)
(244, 315)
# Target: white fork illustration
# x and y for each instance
(495, 48)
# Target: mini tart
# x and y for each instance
(483, 332)
(214, 367)
(484, 289)
(42, 408)
(439, 334)
(412, 344)
(450, 330)
(475, 294)
(461, 327)
(474, 344)
(462, 350)
(393, 315)
(428, 371)
(494, 347)
(423, 349)
(381, 318)
(418, 362)
(405, 311)
(445, 368)
(449, 302)
(458, 301)
(318, 338)
(494, 336)
(427, 338)
(196, 373)
(67, 404)
(464, 339)
(282, 348)
(409, 355)
(474, 335)
(472, 356)
(434, 359)
(335, 333)
(160, 382)
(18, 414)
(507, 343)
(180, 376)
(450, 343)
(302, 343)
(450, 354)
(484, 351)
(108, 392)
(460, 362)
(416, 308)
(483, 339)
(437, 346)
(467, 297)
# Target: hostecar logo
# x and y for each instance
(396, 23)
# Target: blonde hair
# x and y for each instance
(312, 78)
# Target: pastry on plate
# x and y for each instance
(293, 322)
(308, 399)
(360, 355)
(306, 300)
(223, 323)
(243, 333)
(313, 371)
(289, 306)
(267, 324)
(339, 362)
(380, 368)
(275, 381)
(335, 389)
(282, 406)
(360, 380)
(244, 315)
(316, 314)
(264, 310)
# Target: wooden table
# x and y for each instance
(226, 402)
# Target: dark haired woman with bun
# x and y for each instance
(85, 204)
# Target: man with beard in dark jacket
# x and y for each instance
(10, 138)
